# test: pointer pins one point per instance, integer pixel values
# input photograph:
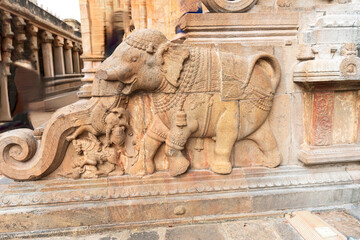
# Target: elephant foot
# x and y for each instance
(221, 167)
(178, 165)
(138, 169)
(272, 159)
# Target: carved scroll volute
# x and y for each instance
(17, 148)
(229, 6)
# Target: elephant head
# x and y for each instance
(146, 61)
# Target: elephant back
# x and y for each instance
(241, 80)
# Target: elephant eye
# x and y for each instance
(133, 59)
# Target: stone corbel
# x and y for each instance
(46, 37)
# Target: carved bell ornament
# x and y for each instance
(221, 6)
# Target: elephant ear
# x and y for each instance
(172, 59)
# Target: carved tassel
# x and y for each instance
(181, 119)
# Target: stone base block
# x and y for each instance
(335, 154)
(58, 206)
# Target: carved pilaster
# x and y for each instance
(143, 15)
(6, 49)
(59, 55)
(34, 48)
(46, 45)
(68, 45)
(7, 40)
(76, 57)
(20, 37)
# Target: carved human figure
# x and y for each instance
(196, 92)
(96, 163)
(115, 117)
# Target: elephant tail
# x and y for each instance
(270, 64)
(240, 75)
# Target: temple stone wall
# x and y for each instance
(256, 111)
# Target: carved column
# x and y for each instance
(68, 57)
(143, 14)
(7, 40)
(59, 55)
(33, 40)
(47, 54)
(76, 57)
(93, 40)
(20, 38)
(6, 49)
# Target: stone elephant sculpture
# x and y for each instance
(196, 92)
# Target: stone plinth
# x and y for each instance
(118, 202)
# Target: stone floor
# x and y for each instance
(276, 227)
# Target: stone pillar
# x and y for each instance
(76, 57)
(143, 14)
(68, 57)
(6, 49)
(93, 40)
(7, 40)
(20, 37)
(46, 47)
(33, 40)
(59, 56)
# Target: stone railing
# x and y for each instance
(30, 33)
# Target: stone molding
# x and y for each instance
(247, 28)
(116, 202)
(310, 155)
(195, 182)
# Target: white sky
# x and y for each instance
(62, 8)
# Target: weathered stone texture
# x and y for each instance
(232, 121)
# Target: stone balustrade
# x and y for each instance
(30, 34)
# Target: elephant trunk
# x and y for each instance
(108, 74)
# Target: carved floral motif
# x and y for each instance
(323, 118)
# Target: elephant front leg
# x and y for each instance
(145, 162)
(175, 143)
(266, 141)
(226, 134)
(178, 164)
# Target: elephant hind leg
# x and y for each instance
(226, 134)
(266, 141)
